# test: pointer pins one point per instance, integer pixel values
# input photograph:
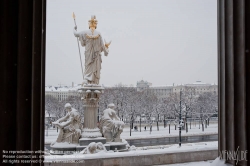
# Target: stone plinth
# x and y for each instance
(90, 96)
(117, 145)
(80, 148)
(87, 141)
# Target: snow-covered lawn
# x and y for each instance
(163, 132)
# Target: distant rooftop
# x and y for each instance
(155, 86)
(197, 83)
(61, 89)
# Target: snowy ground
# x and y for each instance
(163, 132)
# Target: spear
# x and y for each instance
(74, 17)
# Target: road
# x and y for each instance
(168, 140)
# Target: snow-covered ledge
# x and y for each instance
(162, 155)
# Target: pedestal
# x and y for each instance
(90, 97)
(117, 146)
(87, 141)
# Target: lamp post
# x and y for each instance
(150, 127)
(131, 120)
(191, 119)
(140, 122)
(200, 119)
(164, 121)
(130, 124)
(169, 126)
(157, 121)
(180, 122)
(98, 115)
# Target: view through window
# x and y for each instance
(132, 75)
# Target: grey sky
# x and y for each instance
(161, 41)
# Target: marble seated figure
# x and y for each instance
(110, 125)
(70, 126)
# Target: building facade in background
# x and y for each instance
(63, 92)
(165, 90)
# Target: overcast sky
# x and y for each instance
(160, 41)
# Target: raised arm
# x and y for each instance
(68, 122)
(80, 35)
(77, 34)
(63, 118)
(114, 115)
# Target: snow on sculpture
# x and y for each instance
(70, 126)
(110, 125)
(94, 148)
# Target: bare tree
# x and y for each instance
(206, 106)
(174, 106)
(189, 99)
(148, 104)
(53, 106)
(159, 109)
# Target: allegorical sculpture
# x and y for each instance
(92, 41)
(94, 148)
(110, 125)
(70, 126)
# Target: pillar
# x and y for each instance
(90, 98)
(234, 77)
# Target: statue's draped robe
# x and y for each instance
(110, 123)
(72, 127)
(94, 45)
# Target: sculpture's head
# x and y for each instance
(93, 22)
(68, 107)
(92, 147)
(100, 146)
(111, 106)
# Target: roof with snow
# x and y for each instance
(62, 89)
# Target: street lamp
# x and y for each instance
(150, 127)
(98, 114)
(140, 122)
(180, 122)
(169, 125)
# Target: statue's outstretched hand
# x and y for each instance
(59, 125)
(107, 44)
(56, 123)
